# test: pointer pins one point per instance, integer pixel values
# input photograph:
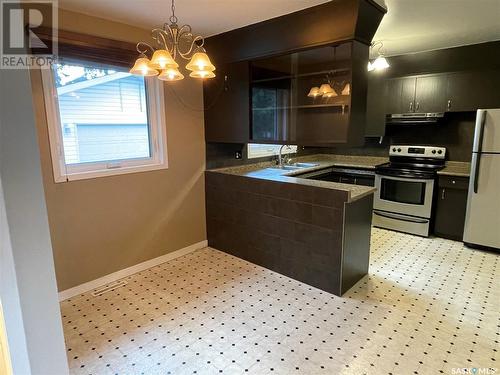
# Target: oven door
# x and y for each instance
(404, 195)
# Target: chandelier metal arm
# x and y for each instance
(160, 38)
(193, 46)
(143, 47)
(170, 38)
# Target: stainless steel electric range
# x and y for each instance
(405, 188)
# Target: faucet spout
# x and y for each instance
(280, 156)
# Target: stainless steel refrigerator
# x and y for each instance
(482, 221)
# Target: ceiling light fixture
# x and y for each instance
(172, 42)
(380, 63)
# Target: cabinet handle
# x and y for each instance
(411, 106)
(417, 106)
(355, 181)
(449, 105)
(442, 193)
(226, 86)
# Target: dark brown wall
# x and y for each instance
(455, 132)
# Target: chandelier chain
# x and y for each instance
(173, 17)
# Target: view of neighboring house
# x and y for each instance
(111, 108)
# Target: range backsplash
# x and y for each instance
(455, 132)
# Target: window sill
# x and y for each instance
(109, 172)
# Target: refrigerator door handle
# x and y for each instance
(479, 150)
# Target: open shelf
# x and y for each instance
(293, 76)
(302, 106)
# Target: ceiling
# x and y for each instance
(408, 26)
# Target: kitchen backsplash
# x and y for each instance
(455, 132)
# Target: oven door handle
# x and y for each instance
(401, 217)
(404, 176)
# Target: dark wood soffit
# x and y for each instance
(328, 23)
(480, 56)
(90, 47)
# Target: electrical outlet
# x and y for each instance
(237, 155)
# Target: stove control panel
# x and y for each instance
(418, 151)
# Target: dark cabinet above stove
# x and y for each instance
(430, 93)
(418, 94)
(459, 79)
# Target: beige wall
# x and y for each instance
(5, 366)
(102, 225)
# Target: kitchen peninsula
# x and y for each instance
(314, 231)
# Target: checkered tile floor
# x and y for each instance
(428, 306)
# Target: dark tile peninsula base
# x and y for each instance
(311, 234)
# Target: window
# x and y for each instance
(256, 150)
(103, 121)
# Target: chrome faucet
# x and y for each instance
(280, 156)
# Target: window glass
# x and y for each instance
(103, 113)
(256, 150)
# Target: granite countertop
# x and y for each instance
(456, 168)
(266, 171)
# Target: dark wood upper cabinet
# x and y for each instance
(430, 93)
(400, 95)
(468, 91)
(416, 94)
(407, 103)
(226, 101)
(284, 111)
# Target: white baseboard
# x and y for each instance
(91, 285)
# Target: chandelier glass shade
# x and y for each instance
(172, 43)
(380, 63)
(170, 74)
(142, 67)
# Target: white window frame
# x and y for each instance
(260, 150)
(157, 137)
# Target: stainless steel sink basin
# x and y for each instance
(305, 165)
(295, 166)
(287, 167)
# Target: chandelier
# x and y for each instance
(173, 42)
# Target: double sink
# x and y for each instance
(295, 166)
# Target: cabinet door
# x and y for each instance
(430, 94)
(226, 99)
(469, 91)
(407, 94)
(450, 208)
(401, 95)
